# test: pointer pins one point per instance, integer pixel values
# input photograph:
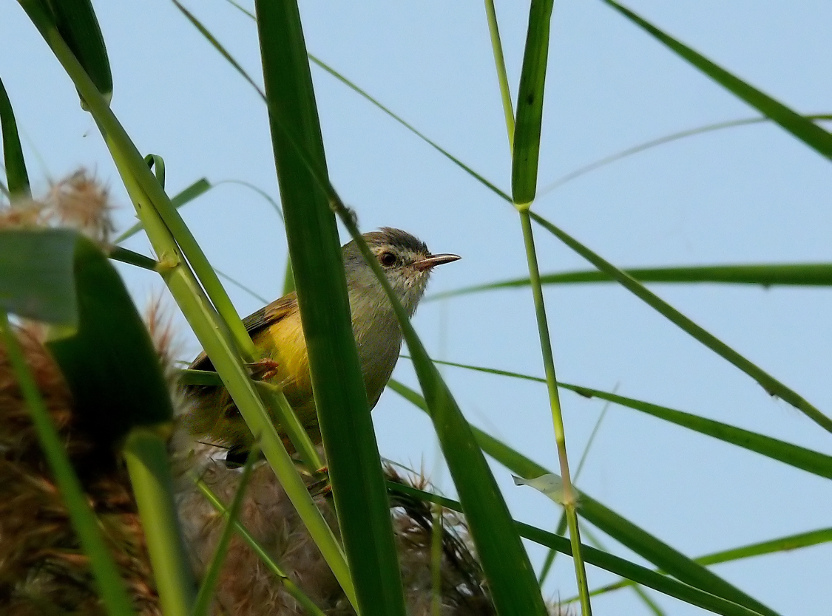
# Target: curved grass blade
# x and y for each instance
(772, 386)
(604, 560)
(78, 25)
(293, 589)
(500, 65)
(526, 150)
(647, 145)
(187, 194)
(340, 396)
(208, 587)
(807, 131)
(617, 527)
(765, 275)
(108, 360)
(17, 180)
(793, 455)
(104, 570)
(772, 546)
(219, 47)
(799, 457)
(649, 603)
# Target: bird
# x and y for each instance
(278, 337)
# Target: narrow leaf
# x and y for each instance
(765, 275)
(346, 426)
(807, 131)
(16, 177)
(616, 526)
(78, 25)
(526, 151)
(604, 560)
(772, 386)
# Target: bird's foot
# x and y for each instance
(263, 369)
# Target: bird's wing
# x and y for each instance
(255, 323)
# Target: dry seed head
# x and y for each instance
(82, 202)
(78, 201)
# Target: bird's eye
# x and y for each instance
(387, 259)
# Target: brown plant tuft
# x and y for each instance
(42, 567)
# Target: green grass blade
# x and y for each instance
(526, 149)
(619, 528)
(212, 575)
(649, 603)
(122, 255)
(78, 25)
(781, 544)
(604, 560)
(104, 570)
(346, 426)
(506, 565)
(765, 275)
(262, 553)
(799, 457)
(793, 455)
(647, 145)
(219, 47)
(146, 455)
(500, 65)
(188, 194)
(569, 499)
(109, 361)
(807, 131)
(772, 386)
(17, 180)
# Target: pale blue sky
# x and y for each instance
(751, 194)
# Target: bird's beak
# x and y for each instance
(433, 260)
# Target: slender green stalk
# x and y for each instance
(500, 65)
(104, 569)
(212, 576)
(561, 526)
(604, 560)
(145, 452)
(781, 544)
(292, 588)
(772, 386)
(289, 422)
(569, 495)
